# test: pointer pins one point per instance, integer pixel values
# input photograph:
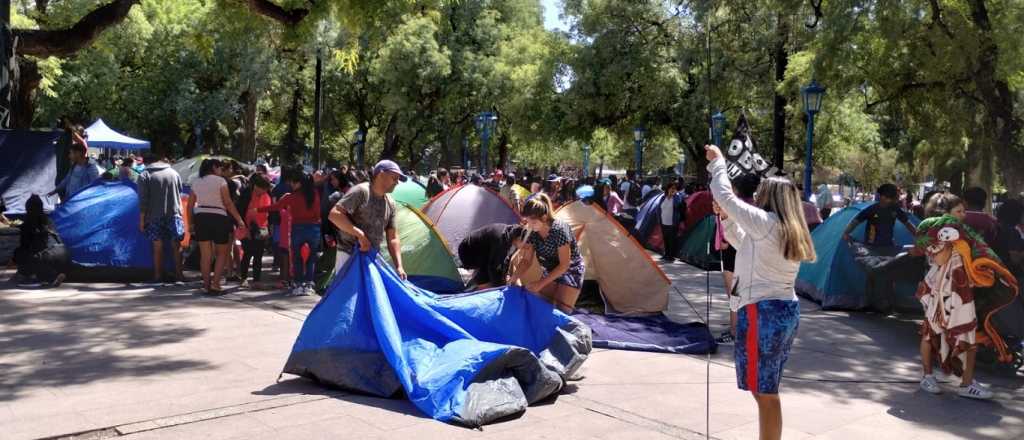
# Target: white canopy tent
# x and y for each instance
(103, 137)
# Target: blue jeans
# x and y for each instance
(309, 235)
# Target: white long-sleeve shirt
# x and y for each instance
(762, 270)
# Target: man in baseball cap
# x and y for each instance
(365, 216)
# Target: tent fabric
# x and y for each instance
(102, 136)
(469, 359)
(698, 247)
(630, 282)
(425, 255)
(836, 280)
(100, 227)
(698, 206)
(29, 166)
(654, 333)
(411, 193)
(648, 224)
(188, 169)
(464, 209)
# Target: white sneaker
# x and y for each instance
(931, 385)
(310, 289)
(298, 290)
(976, 391)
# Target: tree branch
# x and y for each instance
(269, 9)
(65, 42)
(937, 18)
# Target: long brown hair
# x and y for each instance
(539, 207)
(780, 196)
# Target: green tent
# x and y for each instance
(425, 254)
(411, 193)
(699, 247)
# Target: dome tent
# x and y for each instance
(464, 209)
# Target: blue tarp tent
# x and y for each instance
(100, 228)
(836, 280)
(101, 136)
(647, 229)
(29, 166)
(467, 359)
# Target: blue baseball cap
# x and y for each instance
(390, 166)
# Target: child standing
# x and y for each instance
(255, 197)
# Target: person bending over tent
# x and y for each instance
(488, 250)
(160, 217)
(83, 172)
(960, 261)
(40, 256)
(366, 215)
(771, 240)
(879, 239)
(554, 245)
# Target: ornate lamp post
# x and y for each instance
(638, 149)
(718, 128)
(812, 94)
(361, 149)
(485, 123)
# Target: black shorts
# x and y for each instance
(729, 259)
(213, 227)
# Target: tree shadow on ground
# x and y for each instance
(71, 336)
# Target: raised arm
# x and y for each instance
(751, 219)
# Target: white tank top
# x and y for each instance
(207, 191)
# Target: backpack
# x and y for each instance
(633, 194)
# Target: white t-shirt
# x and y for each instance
(208, 198)
(666, 211)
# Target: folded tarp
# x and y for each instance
(647, 333)
(467, 359)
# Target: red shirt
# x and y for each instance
(302, 213)
(984, 224)
(253, 215)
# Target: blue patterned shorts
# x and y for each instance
(764, 335)
(167, 228)
(572, 277)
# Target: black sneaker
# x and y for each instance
(725, 338)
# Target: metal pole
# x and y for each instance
(318, 102)
(810, 156)
(484, 145)
(465, 154)
(586, 160)
(639, 157)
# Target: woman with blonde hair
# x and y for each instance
(555, 247)
(771, 240)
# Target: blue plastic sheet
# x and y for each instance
(468, 359)
(100, 227)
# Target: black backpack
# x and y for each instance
(633, 194)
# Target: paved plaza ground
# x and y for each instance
(115, 361)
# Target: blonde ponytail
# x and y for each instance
(539, 207)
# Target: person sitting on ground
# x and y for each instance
(365, 217)
(255, 196)
(772, 241)
(40, 256)
(982, 222)
(947, 295)
(554, 245)
(488, 250)
(160, 216)
(210, 205)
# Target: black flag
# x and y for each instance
(742, 156)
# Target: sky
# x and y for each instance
(551, 10)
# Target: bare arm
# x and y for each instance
(563, 266)
(225, 199)
(524, 259)
(395, 249)
(340, 219)
(856, 222)
(191, 209)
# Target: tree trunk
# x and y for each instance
(23, 107)
(781, 57)
(392, 141)
(503, 150)
(998, 102)
(249, 103)
(292, 143)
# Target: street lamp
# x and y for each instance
(485, 125)
(638, 149)
(718, 128)
(465, 153)
(586, 160)
(361, 149)
(812, 94)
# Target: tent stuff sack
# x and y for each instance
(698, 248)
(837, 281)
(654, 333)
(469, 359)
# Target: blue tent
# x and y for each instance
(100, 228)
(101, 136)
(647, 229)
(29, 166)
(467, 359)
(836, 280)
